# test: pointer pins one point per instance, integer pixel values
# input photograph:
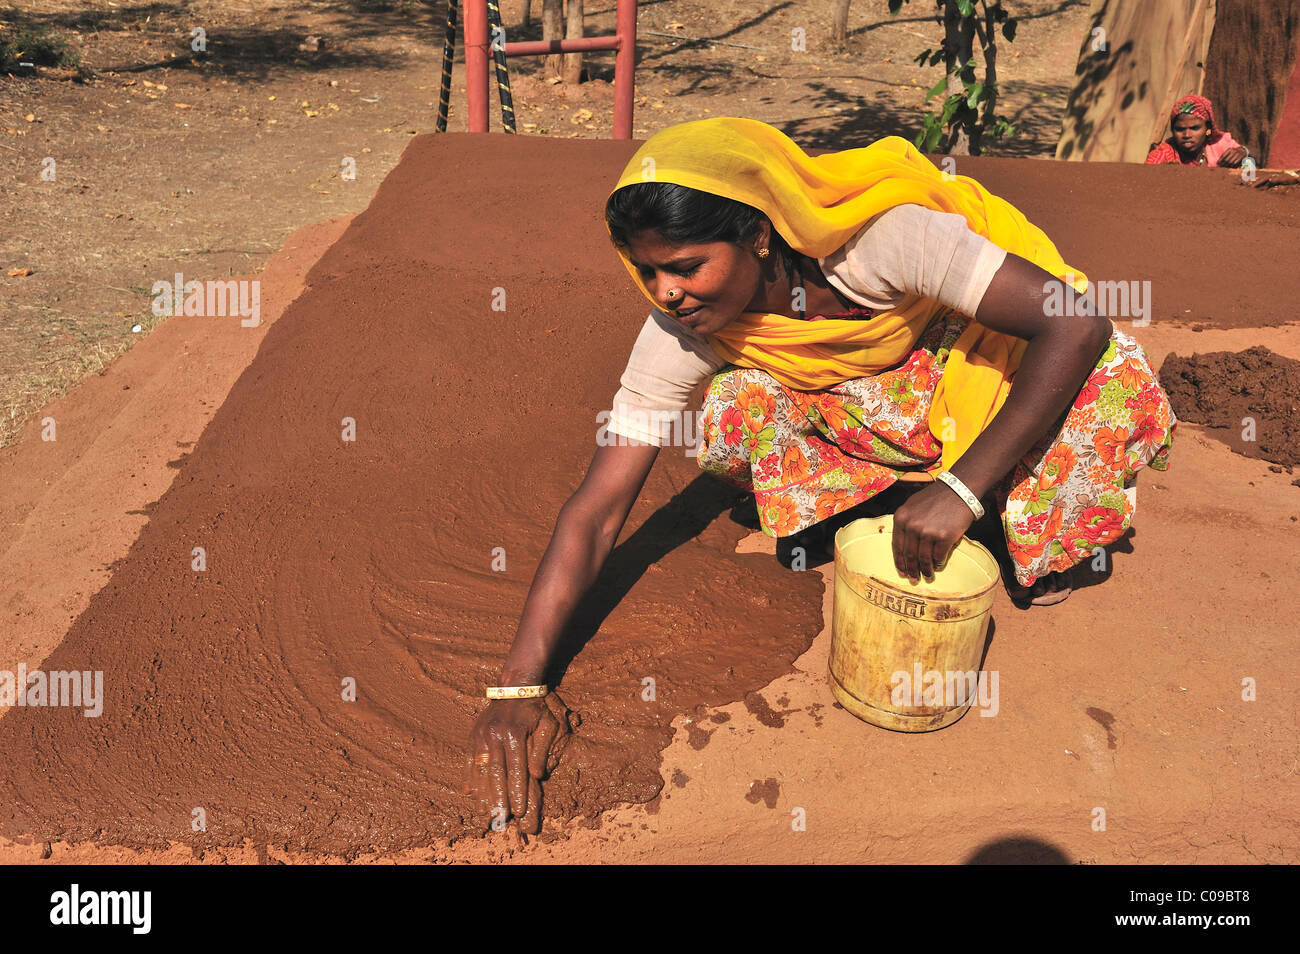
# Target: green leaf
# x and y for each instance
(936, 89)
(966, 7)
(929, 136)
(949, 108)
(974, 93)
(922, 58)
(1009, 30)
(895, 6)
(1001, 127)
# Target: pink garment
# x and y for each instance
(1213, 150)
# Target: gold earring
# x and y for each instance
(762, 253)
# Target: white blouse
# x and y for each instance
(905, 250)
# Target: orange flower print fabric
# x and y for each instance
(808, 456)
(1076, 490)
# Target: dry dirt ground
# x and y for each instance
(170, 160)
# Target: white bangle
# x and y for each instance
(962, 491)
(516, 692)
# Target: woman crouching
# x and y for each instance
(864, 322)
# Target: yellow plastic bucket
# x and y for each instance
(890, 637)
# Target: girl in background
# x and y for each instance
(1195, 140)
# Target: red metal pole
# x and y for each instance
(476, 64)
(624, 69)
(581, 44)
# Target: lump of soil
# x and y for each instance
(1250, 397)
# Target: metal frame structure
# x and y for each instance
(479, 51)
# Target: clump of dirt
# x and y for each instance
(766, 790)
(1251, 396)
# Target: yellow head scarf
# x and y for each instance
(817, 203)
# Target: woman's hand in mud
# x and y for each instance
(512, 748)
(926, 528)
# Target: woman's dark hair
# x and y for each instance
(687, 216)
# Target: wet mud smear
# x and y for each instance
(1106, 721)
(1240, 395)
(758, 707)
(767, 791)
(375, 560)
(696, 737)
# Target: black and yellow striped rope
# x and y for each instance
(503, 74)
(498, 56)
(448, 55)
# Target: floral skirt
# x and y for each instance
(807, 456)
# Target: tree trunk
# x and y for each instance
(840, 24)
(988, 42)
(552, 29)
(958, 46)
(573, 30)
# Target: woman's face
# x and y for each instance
(714, 282)
(1190, 133)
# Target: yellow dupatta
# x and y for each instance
(817, 203)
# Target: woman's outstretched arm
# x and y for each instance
(1062, 351)
(512, 738)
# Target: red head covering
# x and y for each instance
(1199, 106)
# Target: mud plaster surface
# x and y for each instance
(1162, 783)
(373, 560)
